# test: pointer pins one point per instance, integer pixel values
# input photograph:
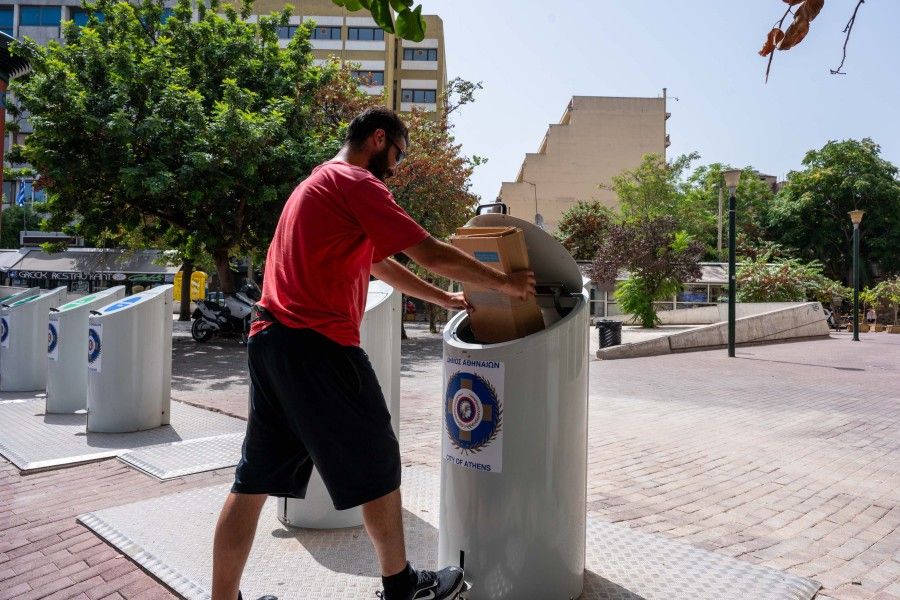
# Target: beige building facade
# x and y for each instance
(409, 74)
(596, 139)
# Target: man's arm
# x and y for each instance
(453, 263)
(401, 278)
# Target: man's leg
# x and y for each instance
(384, 523)
(232, 542)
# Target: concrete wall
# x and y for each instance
(596, 139)
(713, 314)
(794, 322)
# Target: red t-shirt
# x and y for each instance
(337, 223)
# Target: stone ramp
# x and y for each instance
(801, 321)
(171, 537)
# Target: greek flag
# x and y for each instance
(20, 197)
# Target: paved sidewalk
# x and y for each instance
(787, 456)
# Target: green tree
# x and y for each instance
(583, 227)
(887, 295)
(703, 191)
(193, 132)
(810, 212)
(13, 222)
(433, 183)
(659, 258)
(654, 189)
(785, 280)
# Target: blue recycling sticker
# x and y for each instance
(123, 303)
(93, 346)
(52, 338)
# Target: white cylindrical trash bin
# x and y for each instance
(67, 352)
(23, 351)
(514, 449)
(130, 363)
(9, 295)
(380, 338)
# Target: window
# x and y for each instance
(368, 77)
(286, 33)
(365, 34)
(324, 33)
(166, 13)
(419, 96)
(80, 16)
(420, 54)
(39, 16)
(6, 19)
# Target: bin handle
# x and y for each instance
(492, 205)
(96, 312)
(52, 309)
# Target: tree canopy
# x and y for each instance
(810, 213)
(192, 132)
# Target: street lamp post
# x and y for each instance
(537, 216)
(732, 178)
(856, 218)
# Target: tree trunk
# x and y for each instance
(223, 270)
(187, 269)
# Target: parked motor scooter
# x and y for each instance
(229, 318)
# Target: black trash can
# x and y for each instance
(609, 332)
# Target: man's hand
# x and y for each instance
(456, 301)
(519, 284)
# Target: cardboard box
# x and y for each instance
(498, 317)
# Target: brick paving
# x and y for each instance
(787, 456)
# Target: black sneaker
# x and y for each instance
(267, 597)
(445, 584)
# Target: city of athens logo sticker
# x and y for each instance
(4, 332)
(93, 345)
(52, 338)
(473, 412)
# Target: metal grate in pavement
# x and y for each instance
(35, 441)
(178, 459)
(171, 537)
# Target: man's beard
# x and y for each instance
(378, 165)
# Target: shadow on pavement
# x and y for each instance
(216, 365)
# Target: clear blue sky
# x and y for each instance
(533, 56)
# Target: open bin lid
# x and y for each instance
(550, 261)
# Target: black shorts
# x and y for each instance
(315, 402)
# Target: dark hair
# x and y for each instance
(377, 117)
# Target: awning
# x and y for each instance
(136, 266)
(10, 258)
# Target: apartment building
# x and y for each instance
(596, 139)
(409, 74)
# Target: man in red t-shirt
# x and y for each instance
(314, 397)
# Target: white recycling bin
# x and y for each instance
(9, 293)
(130, 363)
(23, 349)
(67, 352)
(380, 338)
(514, 441)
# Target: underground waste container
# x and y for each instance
(68, 353)
(129, 363)
(23, 349)
(514, 449)
(380, 338)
